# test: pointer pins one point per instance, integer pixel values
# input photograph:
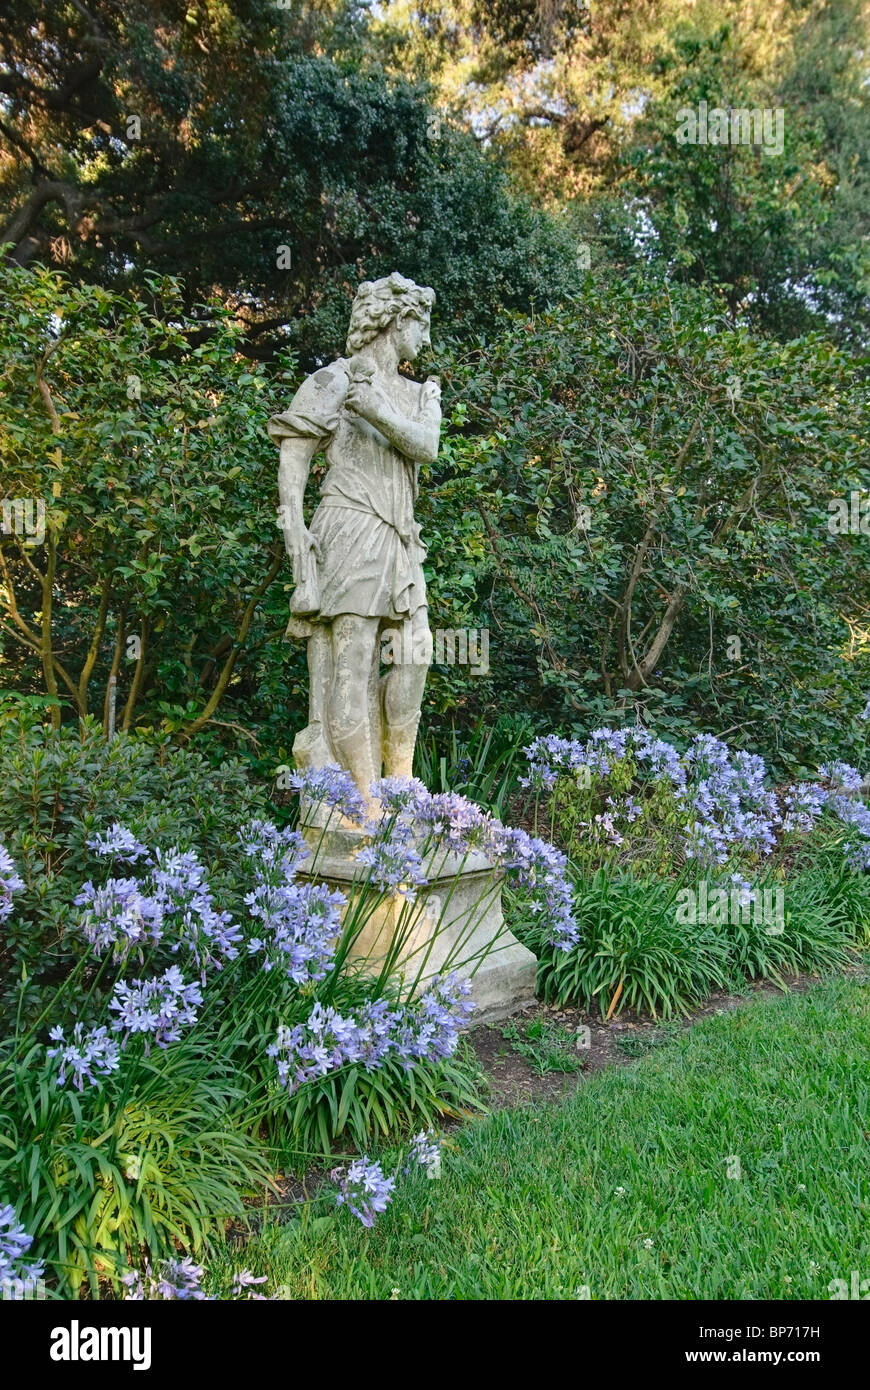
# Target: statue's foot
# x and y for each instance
(311, 748)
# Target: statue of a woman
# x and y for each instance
(358, 569)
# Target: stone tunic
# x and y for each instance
(371, 554)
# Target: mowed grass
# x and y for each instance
(623, 1191)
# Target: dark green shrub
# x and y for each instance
(60, 788)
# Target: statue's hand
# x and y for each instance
(300, 543)
(367, 399)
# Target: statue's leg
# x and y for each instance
(311, 747)
(354, 642)
(402, 696)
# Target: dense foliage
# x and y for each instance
(632, 497)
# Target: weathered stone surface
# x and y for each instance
(456, 923)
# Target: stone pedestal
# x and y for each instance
(455, 923)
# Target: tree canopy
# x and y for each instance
(653, 353)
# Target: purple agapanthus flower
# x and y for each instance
(16, 1273)
(157, 1009)
(118, 843)
(173, 1279)
(331, 786)
(301, 924)
(119, 916)
(87, 1057)
(428, 1028)
(274, 851)
(394, 867)
(364, 1189)
(10, 882)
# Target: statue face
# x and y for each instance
(411, 334)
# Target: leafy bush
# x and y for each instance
(59, 788)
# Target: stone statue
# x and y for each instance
(358, 569)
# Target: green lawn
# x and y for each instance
(624, 1187)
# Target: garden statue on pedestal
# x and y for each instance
(358, 569)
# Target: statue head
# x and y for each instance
(392, 302)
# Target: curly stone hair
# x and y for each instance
(379, 303)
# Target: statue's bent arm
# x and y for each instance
(416, 439)
(296, 455)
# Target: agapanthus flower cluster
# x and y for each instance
(172, 905)
(16, 1273)
(425, 1151)
(541, 871)
(302, 922)
(549, 757)
(855, 814)
(10, 882)
(729, 807)
(276, 853)
(173, 1279)
(398, 794)
(333, 787)
(118, 916)
(428, 1028)
(298, 924)
(452, 822)
(118, 842)
(394, 866)
(842, 775)
(445, 820)
(157, 1009)
(364, 1189)
(801, 805)
(178, 883)
(87, 1057)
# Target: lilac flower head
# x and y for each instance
(86, 1057)
(10, 882)
(119, 843)
(331, 786)
(364, 1189)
